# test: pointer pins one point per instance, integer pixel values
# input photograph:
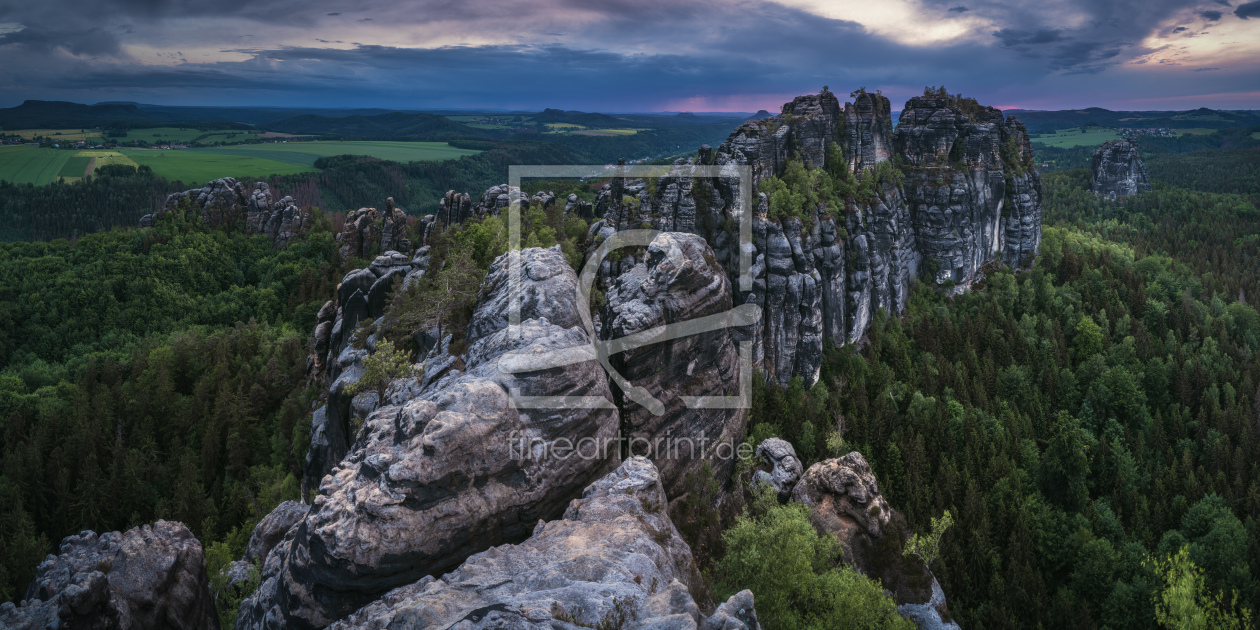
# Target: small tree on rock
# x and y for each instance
(380, 369)
(928, 546)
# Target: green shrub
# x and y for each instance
(795, 575)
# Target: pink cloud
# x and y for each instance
(728, 103)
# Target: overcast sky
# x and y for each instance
(629, 55)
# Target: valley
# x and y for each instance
(1050, 376)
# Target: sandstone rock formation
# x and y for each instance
(361, 297)
(615, 555)
(455, 468)
(969, 196)
(367, 231)
(678, 280)
(225, 201)
(1117, 170)
(844, 499)
(148, 577)
(785, 468)
(271, 530)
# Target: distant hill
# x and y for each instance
(576, 118)
(63, 115)
(411, 124)
(1202, 118)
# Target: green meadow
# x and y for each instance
(277, 158)
(1067, 138)
(22, 164)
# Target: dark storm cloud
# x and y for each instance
(1210, 15)
(93, 42)
(619, 56)
(1248, 9)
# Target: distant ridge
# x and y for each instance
(34, 114)
(577, 118)
(409, 124)
(1202, 118)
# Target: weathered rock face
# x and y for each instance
(368, 230)
(970, 196)
(679, 280)
(844, 499)
(1117, 170)
(785, 468)
(974, 194)
(361, 297)
(148, 577)
(455, 468)
(225, 201)
(615, 553)
(271, 530)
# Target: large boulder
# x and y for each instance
(455, 469)
(615, 556)
(147, 577)
(678, 281)
(844, 500)
(1117, 170)
(784, 467)
(271, 530)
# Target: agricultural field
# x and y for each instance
(1067, 138)
(201, 165)
(32, 165)
(184, 135)
(75, 168)
(608, 132)
(277, 158)
(69, 135)
(564, 126)
(1197, 131)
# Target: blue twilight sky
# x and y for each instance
(624, 56)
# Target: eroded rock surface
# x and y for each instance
(271, 530)
(225, 201)
(1117, 170)
(454, 470)
(785, 468)
(844, 499)
(614, 553)
(367, 231)
(147, 577)
(970, 195)
(679, 280)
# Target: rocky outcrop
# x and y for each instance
(1117, 170)
(368, 231)
(227, 201)
(973, 195)
(844, 500)
(784, 468)
(271, 530)
(457, 467)
(678, 280)
(613, 557)
(963, 193)
(148, 577)
(362, 297)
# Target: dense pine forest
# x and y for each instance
(1080, 419)
(156, 373)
